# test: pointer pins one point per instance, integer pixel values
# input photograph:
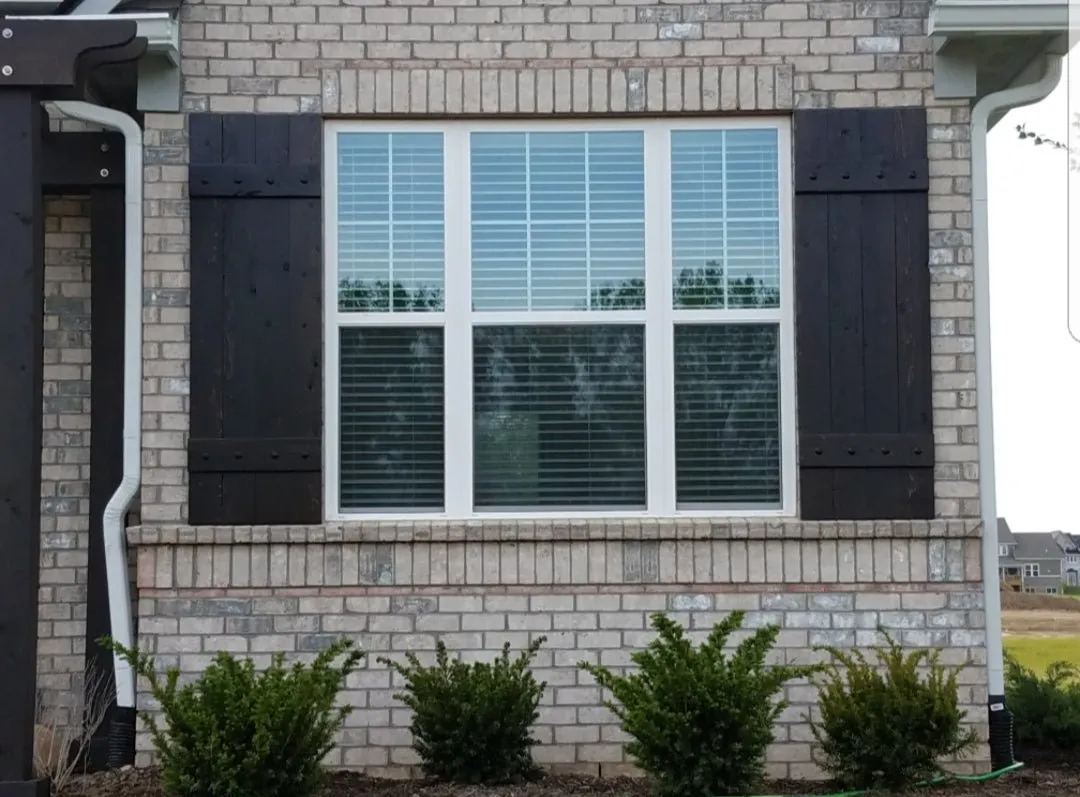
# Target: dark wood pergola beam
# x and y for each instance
(40, 60)
(80, 162)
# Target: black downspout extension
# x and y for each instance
(122, 738)
(1001, 734)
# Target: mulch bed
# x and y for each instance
(1046, 777)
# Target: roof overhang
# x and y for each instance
(983, 46)
(998, 17)
(161, 31)
(158, 71)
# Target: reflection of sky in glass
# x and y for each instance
(725, 217)
(390, 216)
(557, 219)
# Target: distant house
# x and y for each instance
(1070, 544)
(1009, 570)
(1037, 562)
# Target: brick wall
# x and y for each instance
(588, 586)
(588, 590)
(536, 56)
(65, 467)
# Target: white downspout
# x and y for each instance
(1000, 101)
(116, 562)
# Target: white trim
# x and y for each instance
(457, 341)
(658, 320)
(660, 334)
(331, 333)
(789, 433)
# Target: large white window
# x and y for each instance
(529, 319)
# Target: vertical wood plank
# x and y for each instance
(22, 290)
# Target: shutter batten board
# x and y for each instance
(863, 314)
(256, 319)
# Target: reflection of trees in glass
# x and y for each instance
(698, 288)
(727, 413)
(359, 296)
(709, 287)
(392, 418)
(559, 416)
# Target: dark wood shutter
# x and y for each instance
(866, 447)
(255, 450)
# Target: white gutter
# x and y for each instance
(116, 562)
(999, 102)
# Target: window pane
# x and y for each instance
(558, 221)
(391, 419)
(390, 222)
(725, 205)
(727, 415)
(559, 417)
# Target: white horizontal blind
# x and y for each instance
(390, 222)
(391, 229)
(559, 417)
(725, 211)
(725, 218)
(558, 221)
(392, 418)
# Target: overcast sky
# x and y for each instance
(1036, 363)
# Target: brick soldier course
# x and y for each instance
(589, 585)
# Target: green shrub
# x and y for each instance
(700, 719)
(882, 724)
(238, 733)
(1045, 710)
(471, 722)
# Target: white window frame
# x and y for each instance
(1003, 550)
(1031, 570)
(659, 315)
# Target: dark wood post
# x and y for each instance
(39, 60)
(22, 268)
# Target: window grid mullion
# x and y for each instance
(458, 377)
(659, 329)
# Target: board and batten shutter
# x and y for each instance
(255, 446)
(866, 447)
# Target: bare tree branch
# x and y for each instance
(62, 733)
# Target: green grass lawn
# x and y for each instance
(1037, 652)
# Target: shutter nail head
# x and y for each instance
(851, 452)
(918, 451)
(885, 451)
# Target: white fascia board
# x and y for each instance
(161, 31)
(956, 18)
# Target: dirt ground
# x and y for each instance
(1022, 601)
(1049, 779)
(1042, 623)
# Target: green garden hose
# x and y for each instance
(997, 773)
